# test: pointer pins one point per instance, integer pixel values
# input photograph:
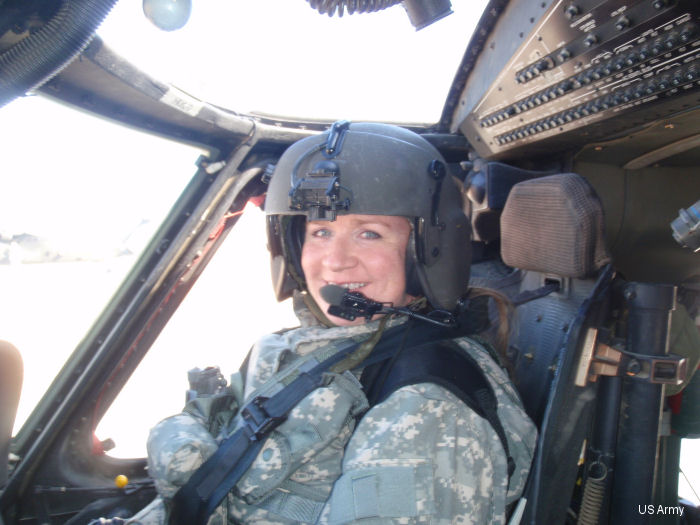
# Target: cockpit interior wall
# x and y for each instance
(612, 86)
(585, 70)
(638, 232)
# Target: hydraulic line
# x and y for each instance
(352, 6)
(40, 56)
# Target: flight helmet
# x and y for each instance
(371, 169)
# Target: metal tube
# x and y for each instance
(649, 306)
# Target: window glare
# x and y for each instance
(79, 199)
(282, 57)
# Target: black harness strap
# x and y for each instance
(446, 364)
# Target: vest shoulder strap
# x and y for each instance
(443, 363)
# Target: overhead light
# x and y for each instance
(168, 15)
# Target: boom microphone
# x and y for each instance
(350, 305)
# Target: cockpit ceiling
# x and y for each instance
(586, 71)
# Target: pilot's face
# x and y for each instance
(365, 253)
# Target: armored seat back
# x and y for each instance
(552, 232)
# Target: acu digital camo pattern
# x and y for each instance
(421, 456)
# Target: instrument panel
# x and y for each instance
(589, 62)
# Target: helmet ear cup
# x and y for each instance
(285, 239)
(294, 233)
(413, 286)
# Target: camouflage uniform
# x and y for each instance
(421, 456)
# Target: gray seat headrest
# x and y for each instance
(554, 225)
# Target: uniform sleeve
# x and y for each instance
(421, 456)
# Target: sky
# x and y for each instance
(246, 55)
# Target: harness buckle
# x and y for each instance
(258, 421)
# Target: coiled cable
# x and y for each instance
(352, 6)
(593, 495)
(37, 58)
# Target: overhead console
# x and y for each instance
(588, 70)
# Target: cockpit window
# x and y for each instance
(79, 199)
(231, 305)
(282, 57)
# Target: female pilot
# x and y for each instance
(371, 209)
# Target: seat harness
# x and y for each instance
(430, 357)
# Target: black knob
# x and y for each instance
(590, 40)
(657, 47)
(571, 11)
(606, 69)
(664, 82)
(687, 33)
(621, 98)
(659, 4)
(564, 87)
(631, 59)
(622, 23)
(644, 53)
(564, 55)
(671, 40)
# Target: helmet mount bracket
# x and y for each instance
(318, 193)
(429, 235)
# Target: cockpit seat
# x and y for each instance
(552, 231)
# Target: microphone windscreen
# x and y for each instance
(332, 294)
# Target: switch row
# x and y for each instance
(683, 75)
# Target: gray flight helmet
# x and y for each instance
(371, 169)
